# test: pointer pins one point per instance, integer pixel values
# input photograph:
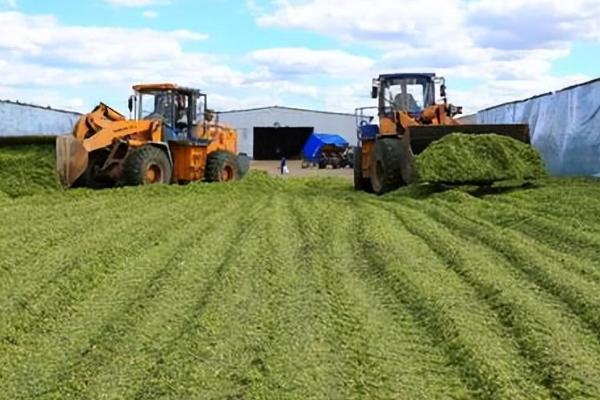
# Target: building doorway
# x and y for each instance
(274, 143)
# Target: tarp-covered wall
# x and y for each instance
(18, 119)
(565, 127)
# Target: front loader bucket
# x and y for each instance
(417, 138)
(423, 136)
(71, 159)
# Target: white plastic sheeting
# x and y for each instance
(17, 119)
(565, 127)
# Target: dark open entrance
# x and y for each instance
(274, 143)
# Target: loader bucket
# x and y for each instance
(423, 136)
(417, 138)
(71, 159)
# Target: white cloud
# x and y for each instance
(382, 21)
(45, 55)
(136, 3)
(530, 23)
(38, 37)
(302, 61)
(9, 3)
(76, 66)
(46, 62)
(150, 14)
(506, 48)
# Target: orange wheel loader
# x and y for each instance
(410, 118)
(171, 138)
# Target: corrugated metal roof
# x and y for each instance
(285, 108)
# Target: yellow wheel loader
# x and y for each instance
(411, 117)
(171, 138)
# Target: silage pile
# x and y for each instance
(27, 169)
(464, 158)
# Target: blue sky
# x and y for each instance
(299, 53)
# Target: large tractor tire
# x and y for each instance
(91, 177)
(221, 166)
(147, 165)
(323, 162)
(360, 183)
(336, 163)
(386, 169)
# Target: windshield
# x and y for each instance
(408, 95)
(155, 105)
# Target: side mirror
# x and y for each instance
(130, 104)
(374, 92)
(375, 88)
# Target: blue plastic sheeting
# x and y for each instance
(565, 127)
(316, 141)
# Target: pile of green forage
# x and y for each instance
(27, 169)
(464, 158)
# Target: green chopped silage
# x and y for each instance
(27, 169)
(464, 158)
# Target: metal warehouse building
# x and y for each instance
(270, 133)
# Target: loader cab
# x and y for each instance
(181, 109)
(410, 93)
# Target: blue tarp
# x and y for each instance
(316, 141)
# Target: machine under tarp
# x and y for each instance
(317, 141)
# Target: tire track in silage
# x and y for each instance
(296, 361)
(447, 307)
(553, 235)
(577, 200)
(364, 365)
(245, 336)
(92, 343)
(329, 316)
(43, 332)
(66, 259)
(536, 321)
(426, 366)
(245, 339)
(522, 253)
(579, 217)
(155, 380)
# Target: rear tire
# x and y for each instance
(90, 178)
(336, 163)
(147, 165)
(386, 169)
(360, 183)
(221, 166)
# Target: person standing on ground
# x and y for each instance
(283, 166)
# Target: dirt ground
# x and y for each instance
(272, 167)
